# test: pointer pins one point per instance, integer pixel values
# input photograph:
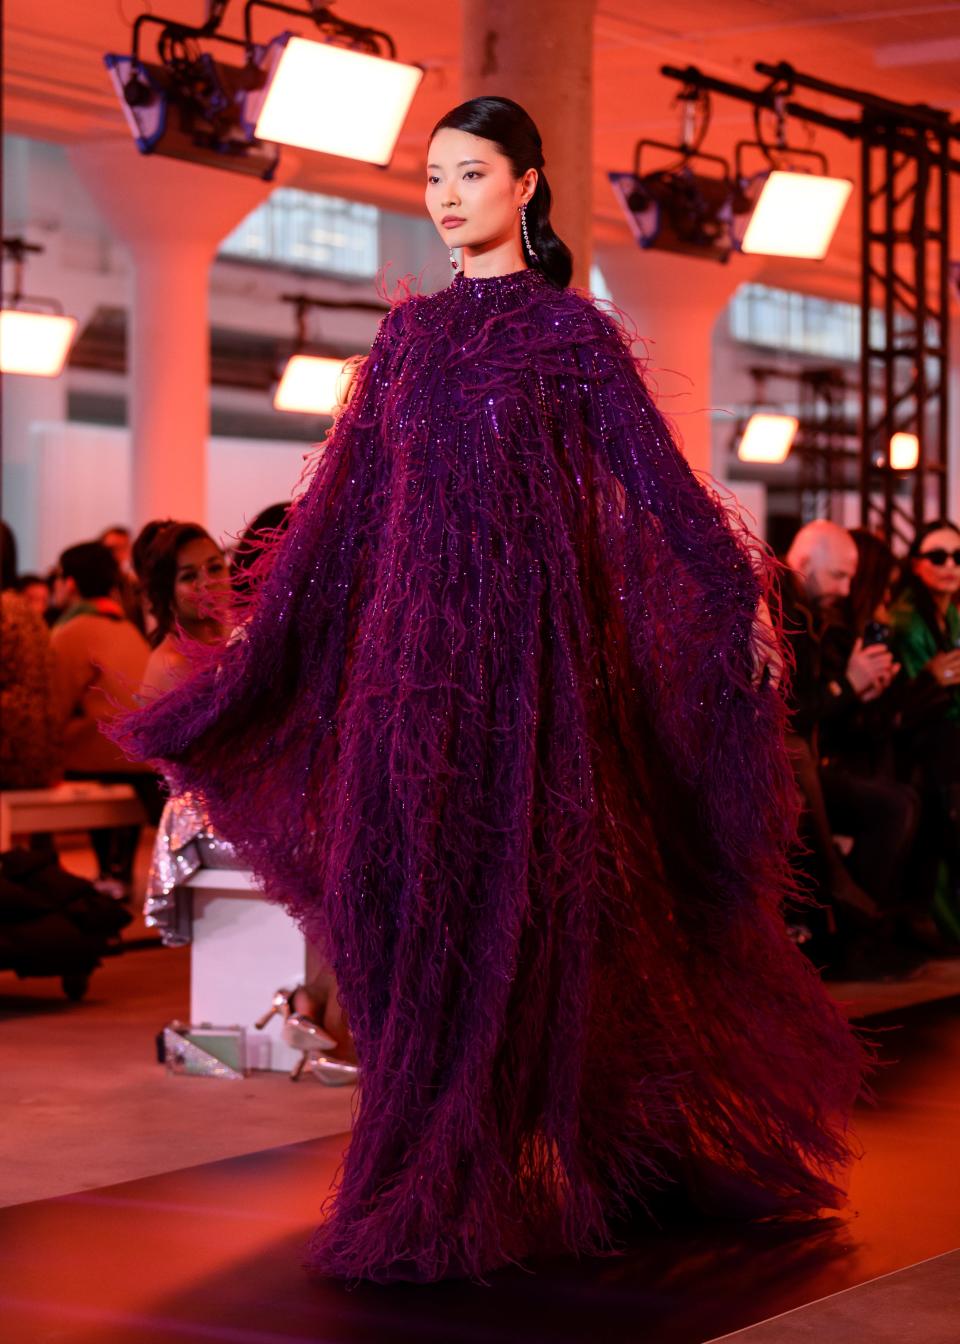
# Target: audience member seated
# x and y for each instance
(858, 746)
(29, 740)
(119, 543)
(823, 562)
(139, 552)
(926, 638)
(100, 660)
(187, 585)
(269, 524)
(35, 591)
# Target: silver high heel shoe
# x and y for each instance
(302, 1032)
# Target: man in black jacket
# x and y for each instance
(879, 815)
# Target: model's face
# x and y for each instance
(472, 196)
(201, 587)
(943, 579)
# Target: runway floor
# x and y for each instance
(213, 1252)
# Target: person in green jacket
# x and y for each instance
(926, 642)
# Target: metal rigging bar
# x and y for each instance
(904, 347)
(906, 155)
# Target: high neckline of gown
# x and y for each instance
(498, 284)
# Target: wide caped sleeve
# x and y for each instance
(692, 579)
(243, 731)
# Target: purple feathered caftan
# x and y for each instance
(490, 735)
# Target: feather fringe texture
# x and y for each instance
(489, 733)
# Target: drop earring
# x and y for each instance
(526, 234)
(454, 264)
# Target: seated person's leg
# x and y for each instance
(817, 828)
(882, 817)
(114, 846)
(941, 767)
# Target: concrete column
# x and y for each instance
(168, 347)
(542, 57)
(171, 216)
(674, 302)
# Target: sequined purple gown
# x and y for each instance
(490, 736)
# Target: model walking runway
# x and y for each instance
(497, 732)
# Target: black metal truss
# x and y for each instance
(904, 320)
(906, 155)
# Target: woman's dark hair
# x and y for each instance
(269, 524)
(876, 566)
(917, 589)
(160, 572)
(92, 568)
(25, 581)
(8, 557)
(513, 131)
(144, 540)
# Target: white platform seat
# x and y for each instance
(75, 805)
(243, 949)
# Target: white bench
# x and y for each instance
(74, 805)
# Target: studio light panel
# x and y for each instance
(34, 343)
(312, 384)
(768, 438)
(904, 451)
(796, 215)
(322, 97)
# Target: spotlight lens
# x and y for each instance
(797, 215)
(312, 384)
(904, 451)
(325, 98)
(34, 343)
(768, 438)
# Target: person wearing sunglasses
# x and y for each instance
(926, 620)
(926, 641)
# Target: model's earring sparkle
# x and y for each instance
(454, 264)
(526, 233)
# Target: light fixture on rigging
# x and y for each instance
(768, 437)
(796, 215)
(795, 210)
(908, 160)
(331, 99)
(35, 335)
(785, 210)
(675, 208)
(904, 451)
(313, 383)
(188, 104)
(345, 94)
